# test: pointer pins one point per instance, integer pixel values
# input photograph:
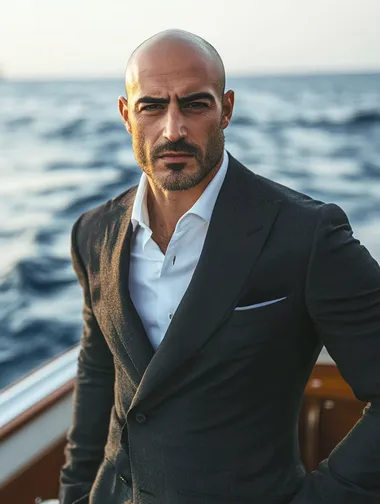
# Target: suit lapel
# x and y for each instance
(239, 227)
(115, 259)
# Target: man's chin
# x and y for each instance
(176, 167)
(177, 181)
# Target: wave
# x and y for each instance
(371, 169)
(33, 342)
(71, 130)
(243, 121)
(39, 275)
(365, 118)
(19, 122)
(360, 119)
(83, 203)
(106, 127)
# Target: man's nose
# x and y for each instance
(174, 129)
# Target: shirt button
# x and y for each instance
(123, 479)
(140, 418)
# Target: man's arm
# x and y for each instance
(343, 299)
(93, 400)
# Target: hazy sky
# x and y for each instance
(52, 38)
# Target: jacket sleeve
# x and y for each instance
(343, 300)
(93, 400)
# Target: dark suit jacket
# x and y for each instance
(211, 416)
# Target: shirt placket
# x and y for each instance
(168, 286)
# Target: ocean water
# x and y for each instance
(64, 149)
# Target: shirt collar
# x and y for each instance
(140, 214)
(203, 207)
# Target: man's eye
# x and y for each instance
(196, 105)
(153, 106)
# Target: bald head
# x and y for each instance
(174, 45)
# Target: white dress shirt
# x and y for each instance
(157, 281)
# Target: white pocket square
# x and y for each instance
(259, 305)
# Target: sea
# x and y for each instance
(64, 150)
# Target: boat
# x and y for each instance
(36, 412)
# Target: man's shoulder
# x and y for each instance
(288, 196)
(97, 217)
(270, 190)
(299, 214)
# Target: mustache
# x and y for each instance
(180, 146)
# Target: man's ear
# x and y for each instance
(228, 107)
(123, 109)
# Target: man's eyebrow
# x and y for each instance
(196, 96)
(181, 101)
(151, 99)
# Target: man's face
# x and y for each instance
(176, 117)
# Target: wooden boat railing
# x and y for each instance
(35, 413)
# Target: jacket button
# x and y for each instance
(140, 418)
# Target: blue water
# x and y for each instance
(63, 149)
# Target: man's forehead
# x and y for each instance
(146, 71)
(167, 86)
(168, 69)
(169, 52)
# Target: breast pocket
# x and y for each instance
(272, 312)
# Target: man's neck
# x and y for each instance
(165, 208)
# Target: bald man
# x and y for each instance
(208, 294)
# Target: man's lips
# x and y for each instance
(176, 157)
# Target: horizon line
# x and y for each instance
(260, 73)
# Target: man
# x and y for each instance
(208, 294)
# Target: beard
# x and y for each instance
(176, 178)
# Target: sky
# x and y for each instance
(94, 38)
